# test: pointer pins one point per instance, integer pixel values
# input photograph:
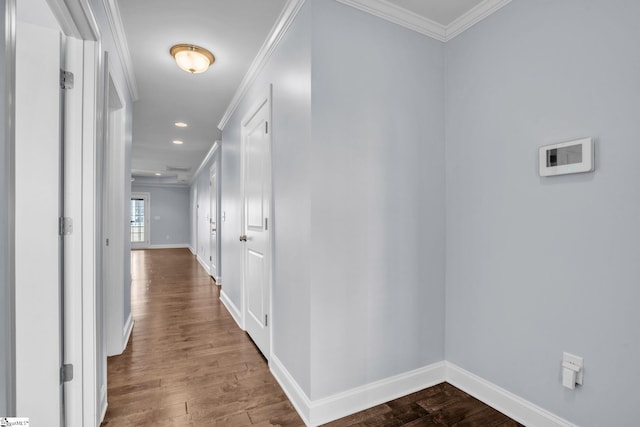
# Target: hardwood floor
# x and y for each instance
(188, 364)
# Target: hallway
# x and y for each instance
(188, 363)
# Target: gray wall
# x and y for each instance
(537, 266)
(169, 214)
(290, 72)
(377, 200)
(358, 191)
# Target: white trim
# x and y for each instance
(231, 308)
(321, 411)
(291, 388)
(75, 18)
(203, 264)
(474, 16)
(401, 16)
(193, 251)
(126, 331)
(212, 150)
(103, 404)
(405, 18)
(173, 246)
(278, 31)
(120, 39)
(504, 401)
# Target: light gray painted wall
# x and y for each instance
(289, 70)
(537, 266)
(377, 200)
(358, 183)
(169, 214)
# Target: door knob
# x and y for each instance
(243, 238)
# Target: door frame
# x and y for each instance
(264, 98)
(147, 219)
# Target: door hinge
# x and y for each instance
(266, 223)
(107, 242)
(66, 79)
(66, 373)
(266, 320)
(210, 258)
(65, 226)
(266, 127)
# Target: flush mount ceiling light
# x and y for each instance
(181, 124)
(157, 174)
(178, 142)
(192, 58)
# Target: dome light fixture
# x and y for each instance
(178, 142)
(181, 124)
(191, 58)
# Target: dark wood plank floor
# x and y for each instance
(188, 364)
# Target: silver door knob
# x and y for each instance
(243, 238)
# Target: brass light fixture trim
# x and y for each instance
(191, 58)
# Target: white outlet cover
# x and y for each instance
(575, 360)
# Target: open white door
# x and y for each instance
(256, 183)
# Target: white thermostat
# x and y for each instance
(567, 157)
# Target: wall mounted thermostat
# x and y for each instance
(567, 157)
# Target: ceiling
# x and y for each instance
(234, 31)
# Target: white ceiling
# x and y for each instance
(234, 30)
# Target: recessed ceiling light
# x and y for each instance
(181, 124)
(177, 142)
(191, 58)
(158, 174)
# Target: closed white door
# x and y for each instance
(213, 221)
(256, 227)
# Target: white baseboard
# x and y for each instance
(320, 411)
(173, 246)
(103, 404)
(203, 264)
(504, 401)
(128, 328)
(330, 408)
(231, 308)
(193, 251)
(296, 395)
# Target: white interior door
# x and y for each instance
(256, 142)
(213, 221)
(37, 203)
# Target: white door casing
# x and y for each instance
(256, 227)
(213, 220)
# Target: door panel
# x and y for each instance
(213, 221)
(257, 251)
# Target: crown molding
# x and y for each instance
(120, 39)
(405, 18)
(398, 15)
(206, 159)
(474, 16)
(278, 31)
